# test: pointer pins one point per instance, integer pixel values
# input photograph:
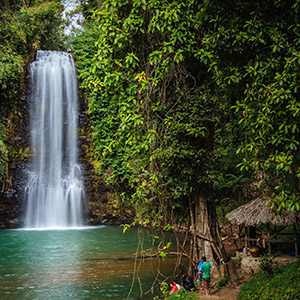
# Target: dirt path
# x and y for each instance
(226, 293)
(230, 291)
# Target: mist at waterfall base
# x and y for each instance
(55, 190)
(93, 263)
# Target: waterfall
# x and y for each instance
(54, 192)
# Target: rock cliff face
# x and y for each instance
(12, 197)
(13, 186)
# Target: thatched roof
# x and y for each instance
(259, 212)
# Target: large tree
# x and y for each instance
(160, 129)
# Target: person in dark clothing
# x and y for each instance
(187, 282)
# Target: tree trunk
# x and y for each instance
(206, 239)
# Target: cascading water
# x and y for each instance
(55, 189)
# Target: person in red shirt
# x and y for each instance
(175, 287)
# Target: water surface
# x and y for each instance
(95, 263)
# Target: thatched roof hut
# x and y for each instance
(259, 212)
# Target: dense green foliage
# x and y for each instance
(160, 131)
(182, 92)
(284, 285)
(35, 25)
(25, 26)
(183, 96)
(252, 50)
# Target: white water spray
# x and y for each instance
(55, 189)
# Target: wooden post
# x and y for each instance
(269, 243)
(296, 242)
(246, 244)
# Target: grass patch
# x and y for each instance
(182, 294)
(284, 285)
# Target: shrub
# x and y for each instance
(268, 266)
(223, 281)
(238, 261)
(182, 294)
